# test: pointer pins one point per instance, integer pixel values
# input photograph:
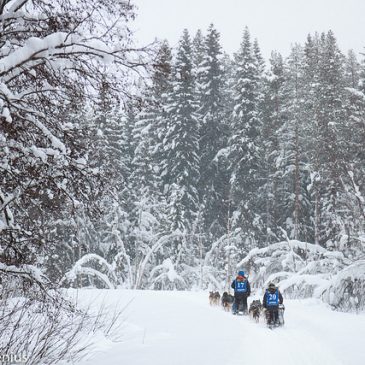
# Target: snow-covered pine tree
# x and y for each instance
(352, 70)
(273, 115)
(324, 109)
(117, 219)
(311, 85)
(212, 114)
(198, 56)
(103, 231)
(259, 60)
(229, 72)
(244, 143)
(181, 143)
(329, 118)
(197, 48)
(292, 160)
(362, 74)
(156, 106)
(351, 139)
(180, 163)
(148, 219)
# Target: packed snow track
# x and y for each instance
(181, 328)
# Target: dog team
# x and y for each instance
(272, 307)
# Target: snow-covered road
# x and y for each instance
(180, 328)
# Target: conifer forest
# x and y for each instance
(168, 168)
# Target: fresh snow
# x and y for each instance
(181, 328)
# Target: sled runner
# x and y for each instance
(281, 314)
(240, 311)
(272, 321)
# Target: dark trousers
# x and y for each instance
(272, 315)
(240, 303)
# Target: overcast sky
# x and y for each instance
(275, 23)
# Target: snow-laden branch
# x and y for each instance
(72, 275)
(5, 211)
(151, 250)
(33, 48)
(166, 273)
(214, 247)
(28, 271)
(80, 269)
(123, 254)
(13, 9)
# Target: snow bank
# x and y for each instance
(305, 270)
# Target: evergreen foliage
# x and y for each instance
(212, 157)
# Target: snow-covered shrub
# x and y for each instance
(297, 285)
(165, 277)
(275, 261)
(91, 270)
(219, 263)
(46, 333)
(304, 270)
(39, 331)
(169, 276)
(210, 277)
(346, 289)
(43, 326)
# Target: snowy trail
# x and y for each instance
(175, 328)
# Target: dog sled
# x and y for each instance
(239, 309)
(272, 322)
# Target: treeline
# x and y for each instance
(217, 155)
(224, 154)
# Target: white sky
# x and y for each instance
(275, 23)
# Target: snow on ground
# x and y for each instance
(180, 328)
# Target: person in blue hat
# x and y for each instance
(242, 291)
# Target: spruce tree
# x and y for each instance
(324, 74)
(180, 166)
(212, 114)
(148, 205)
(292, 160)
(273, 116)
(352, 70)
(352, 137)
(156, 109)
(244, 144)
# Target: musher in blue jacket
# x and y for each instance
(242, 290)
(272, 299)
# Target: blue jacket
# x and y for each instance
(272, 299)
(241, 287)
